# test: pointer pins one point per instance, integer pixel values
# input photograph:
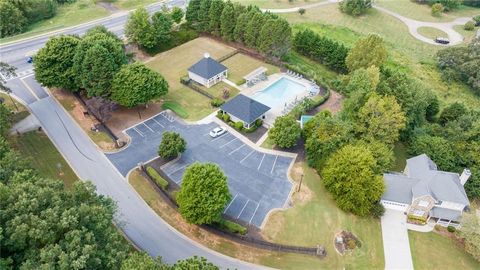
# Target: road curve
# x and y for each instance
(136, 219)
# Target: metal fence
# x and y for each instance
(192, 85)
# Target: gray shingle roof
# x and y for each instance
(207, 68)
(245, 108)
(398, 188)
(446, 213)
(424, 179)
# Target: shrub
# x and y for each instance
(301, 11)
(355, 7)
(219, 114)
(216, 102)
(285, 131)
(451, 229)
(162, 183)
(232, 227)
(351, 244)
(184, 80)
(172, 144)
(258, 122)
(469, 26)
(226, 117)
(477, 20)
(238, 125)
(377, 210)
(437, 9)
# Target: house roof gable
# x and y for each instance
(244, 108)
(207, 68)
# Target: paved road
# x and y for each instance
(137, 220)
(395, 241)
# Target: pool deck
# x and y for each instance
(275, 112)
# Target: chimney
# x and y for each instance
(465, 175)
(206, 55)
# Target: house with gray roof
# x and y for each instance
(425, 193)
(207, 71)
(245, 109)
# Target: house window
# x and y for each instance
(423, 203)
(418, 213)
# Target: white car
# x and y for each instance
(218, 131)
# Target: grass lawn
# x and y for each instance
(467, 35)
(18, 115)
(315, 219)
(432, 33)
(67, 15)
(419, 12)
(173, 65)
(278, 3)
(430, 250)
(405, 52)
(44, 157)
(217, 90)
(240, 65)
(131, 4)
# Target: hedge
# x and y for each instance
(232, 227)
(162, 183)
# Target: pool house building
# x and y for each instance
(207, 71)
(244, 109)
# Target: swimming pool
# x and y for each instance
(280, 92)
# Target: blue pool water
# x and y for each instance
(280, 92)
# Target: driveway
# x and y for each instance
(395, 240)
(258, 180)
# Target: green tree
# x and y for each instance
(162, 23)
(452, 112)
(440, 150)
(140, 30)
(100, 29)
(285, 131)
(382, 153)
(252, 30)
(203, 24)
(215, 14)
(177, 14)
(470, 232)
(241, 25)
(12, 21)
(191, 15)
(204, 194)
(469, 26)
(437, 9)
(194, 263)
(5, 120)
(355, 7)
(228, 21)
(136, 84)
(367, 52)
(275, 37)
(172, 144)
(381, 118)
(329, 135)
(54, 63)
(72, 228)
(37, 10)
(362, 79)
(98, 70)
(349, 175)
(142, 261)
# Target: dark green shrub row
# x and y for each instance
(231, 227)
(321, 49)
(162, 183)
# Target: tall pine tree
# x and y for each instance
(215, 12)
(228, 21)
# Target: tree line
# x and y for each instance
(16, 16)
(46, 226)
(265, 32)
(321, 49)
(97, 64)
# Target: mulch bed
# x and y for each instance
(256, 135)
(346, 241)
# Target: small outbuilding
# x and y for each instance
(245, 109)
(207, 71)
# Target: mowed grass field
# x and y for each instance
(174, 64)
(405, 52)
(42, 155)
(432, 33)
(433, 251)
(419, 12)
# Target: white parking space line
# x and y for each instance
(158, 122)
(247, 156)
(230, 203)
(178, 169)
(138, 131)
(249, 222)
(260, 165)
(243, 208)
(148, 127)
(234, 139)
(273, 167)
(240, 147)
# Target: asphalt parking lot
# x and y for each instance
(257, 181)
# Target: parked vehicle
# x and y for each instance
(218, 131)
(29, 59)
(441, 40)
